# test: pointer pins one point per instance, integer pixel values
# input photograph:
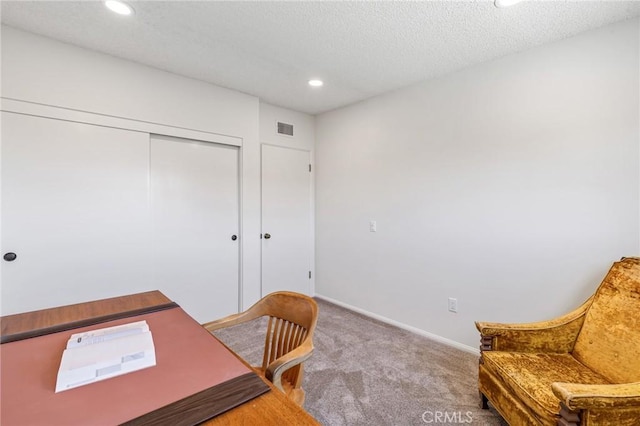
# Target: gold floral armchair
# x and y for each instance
(580, 369)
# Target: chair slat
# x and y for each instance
(292, 338)
(282, 337)
(286, 343)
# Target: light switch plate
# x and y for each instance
(453, 304)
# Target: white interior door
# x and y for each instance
(74, 211)
(195, 216)
(286, 220)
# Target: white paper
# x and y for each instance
(108, 333)
(105, 353)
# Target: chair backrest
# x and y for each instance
(292, 319)
(609, 341)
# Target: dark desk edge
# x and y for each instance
(84, 323)
(206, 404)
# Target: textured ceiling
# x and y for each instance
(271, 49)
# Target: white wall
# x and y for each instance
(39, 70)
(303, 127)
(511, 185)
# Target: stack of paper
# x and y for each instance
(104, 353)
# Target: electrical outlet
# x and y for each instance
(453, 304)
(373, 226)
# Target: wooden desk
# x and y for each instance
(271, 408)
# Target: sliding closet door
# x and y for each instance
(74, 212)
(90, 212)
(195, 217)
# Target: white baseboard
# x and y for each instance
(403, 326)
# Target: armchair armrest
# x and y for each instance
(584, 397)
(297, 356)
(556, 336)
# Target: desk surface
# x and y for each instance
(271, 408)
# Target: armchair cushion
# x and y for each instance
(528, 375)
(609, 341)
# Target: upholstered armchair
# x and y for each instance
(580, 369)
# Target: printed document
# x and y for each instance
(104, 353)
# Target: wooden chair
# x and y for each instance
(288, 342)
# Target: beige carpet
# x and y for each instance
(365, 372)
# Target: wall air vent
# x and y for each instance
(285, 129)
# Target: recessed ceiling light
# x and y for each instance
(315, 83)
(119, 7)
(505, 3)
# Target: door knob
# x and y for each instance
(234, 237)
(267, 236)
(10, 257)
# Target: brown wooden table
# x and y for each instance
(271, 408)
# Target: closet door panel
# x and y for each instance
(195, 216)
(74, 210)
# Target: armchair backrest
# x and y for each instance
(292, 320)
(609, 341)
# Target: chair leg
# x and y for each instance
(484, 402)
(567, 417)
